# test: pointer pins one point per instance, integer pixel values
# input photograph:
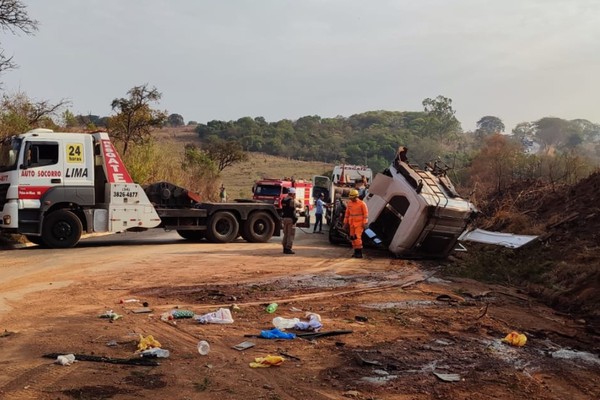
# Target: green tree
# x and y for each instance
(135, 119)
(175, 120)
(489, 125)
(14, 18)
(225, 153)
(440, 120)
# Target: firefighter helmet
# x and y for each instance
(353, 193)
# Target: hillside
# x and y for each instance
(239, 178)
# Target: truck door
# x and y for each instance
(322, 184)
(42, 168)
(78, 162)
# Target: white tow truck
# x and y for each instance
(55, 186)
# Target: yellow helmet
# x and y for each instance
(353, 193)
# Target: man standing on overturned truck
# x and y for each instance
(355, 220)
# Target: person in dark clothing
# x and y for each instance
(289, 219)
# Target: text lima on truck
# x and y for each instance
(55, 186)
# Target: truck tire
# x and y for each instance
(192, 236)
(258, 228)
(35, 240)
(223, 227)
(62, 229)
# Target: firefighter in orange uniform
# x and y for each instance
(355, 220)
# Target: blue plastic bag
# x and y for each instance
(276, 334)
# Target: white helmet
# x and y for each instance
(292, 191)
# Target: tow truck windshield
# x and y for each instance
(9, 152)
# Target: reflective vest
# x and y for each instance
(356, 213)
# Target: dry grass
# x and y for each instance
(239, 178)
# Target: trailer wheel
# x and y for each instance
(258, 228)
(192, 236)
(61, 229)
(223, 227)
(35, 240)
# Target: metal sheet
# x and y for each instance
(509, 240)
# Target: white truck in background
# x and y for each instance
(55, 186)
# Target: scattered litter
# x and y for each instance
(147, 343)
(285, 323)
(281, 353)
(129, 361)
(515, 339)
(313, 324)
(112, 343)
(316, 335)
(378, 380)
(221, 316)
(276, 334)
(155, 352)
(203, 347)
(129, 301)
(265, 362)
(271, 308)
(295, 309)
(244, 345)
(179, 314)
(361, 318)
(448, 377)
(443, 342)
(110, 314)
(66, 359)
(141, 310)
(234, 307)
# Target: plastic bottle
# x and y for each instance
(203, 347)
(285, 323)
(155, 352)
(271, 308)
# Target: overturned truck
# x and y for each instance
(413, 212)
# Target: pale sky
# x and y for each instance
(519, 60)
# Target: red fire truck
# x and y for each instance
(274, 190)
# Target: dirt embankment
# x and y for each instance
(563, 266)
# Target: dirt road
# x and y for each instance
(414, 335)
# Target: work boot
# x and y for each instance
(357, 253)
(288, 251)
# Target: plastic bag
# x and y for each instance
(515, 339)
(221, 316)
(276, 334)
(66, 359)
(313, 324)
(265, 362)
(147, 342)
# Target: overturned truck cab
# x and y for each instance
(414, 212)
